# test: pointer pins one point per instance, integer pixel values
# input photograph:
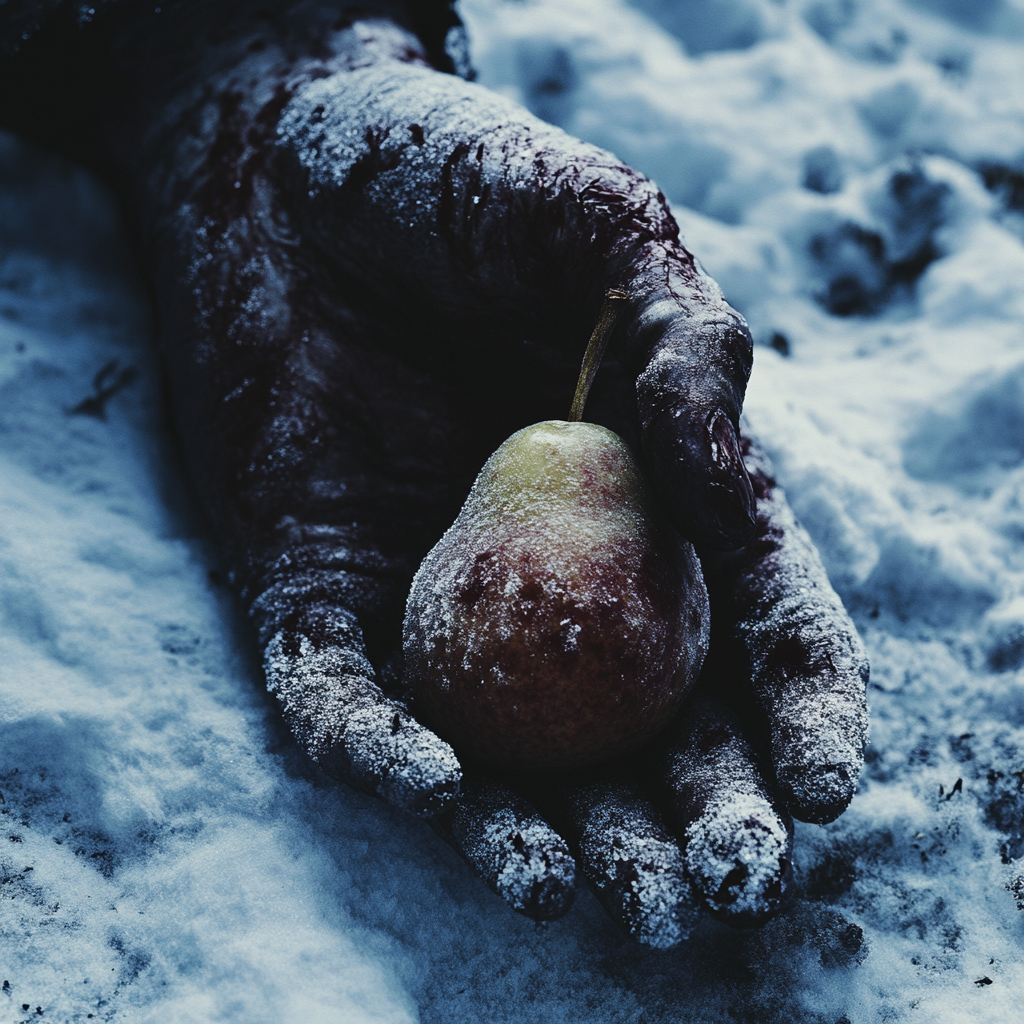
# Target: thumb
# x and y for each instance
(693, 353)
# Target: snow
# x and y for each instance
(845, 171)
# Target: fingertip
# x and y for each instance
(383, 750)
(739, 854)
(817, 793)
(536, 874)
(552, 892)
(547, 890)
(634, 865)
(737, 840)
(425, 794)
(698, 468)
(515, 851)
(817, 745)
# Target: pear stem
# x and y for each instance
(596, 347)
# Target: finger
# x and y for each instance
(632, 861)
(317, 668)
(737, 842)
(804, 656)
(694, 355)
(513, 849)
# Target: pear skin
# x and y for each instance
(561, 619)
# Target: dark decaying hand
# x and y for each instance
(367, 274)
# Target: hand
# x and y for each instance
(367, 274)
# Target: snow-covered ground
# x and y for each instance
(852, 173)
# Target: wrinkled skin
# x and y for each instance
(366, 274)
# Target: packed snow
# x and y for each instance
(852, 174)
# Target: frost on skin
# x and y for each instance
(323, 682)
(560, 620)
(737, 843)
(737, 853)
(633, 863)
(453, 172)
(517, 854)
(800, 650)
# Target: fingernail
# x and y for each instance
(729, 495)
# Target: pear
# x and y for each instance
(561, 619)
